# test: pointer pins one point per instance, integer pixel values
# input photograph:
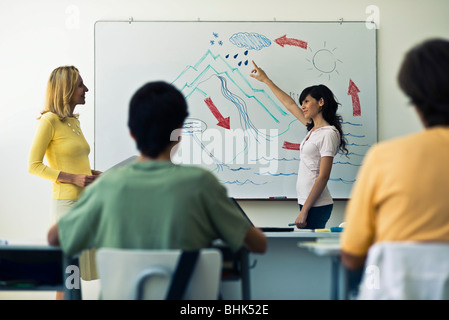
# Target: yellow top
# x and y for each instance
(65, 148)
(401, 193)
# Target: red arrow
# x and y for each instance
(353, 92)
(282, 41)
(291, 146)
(222, 122)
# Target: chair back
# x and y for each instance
(406, 271)
(133, 274)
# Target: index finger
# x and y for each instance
(255, 65)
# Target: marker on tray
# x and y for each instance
(276, 198)
(322, 230)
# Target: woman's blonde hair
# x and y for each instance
(60, 88)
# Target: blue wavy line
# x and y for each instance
(352, 154)
(358, 145)
(342, 180)
(347, 163)
(240, 183)
(353, 135)
(240, 169)
(352, 124)
(277, 174)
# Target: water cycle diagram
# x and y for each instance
(236, 127)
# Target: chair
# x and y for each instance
(406, 271)
(135, 274)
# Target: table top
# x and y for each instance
(27, 243)
(323, 247)
(303, 234)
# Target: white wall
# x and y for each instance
(38, 35)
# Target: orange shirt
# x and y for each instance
(65, 148)
(401, 193)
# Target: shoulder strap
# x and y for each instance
(181, 277)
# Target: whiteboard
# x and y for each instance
(236, 127)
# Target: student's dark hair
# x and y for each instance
(329, 110)
(424, 78)
(155, 110)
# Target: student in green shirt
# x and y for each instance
(153, 203)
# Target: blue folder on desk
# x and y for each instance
(264, 229)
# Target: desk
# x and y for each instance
(35, 267)
(43, 268)
(235, 267)
(298, 234)
(323, 248)
(286, 272)
(327, 247)
(352, 278)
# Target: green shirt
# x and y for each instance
(153, 205)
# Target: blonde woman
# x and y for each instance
(60, 140)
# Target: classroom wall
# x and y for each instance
(38, 35)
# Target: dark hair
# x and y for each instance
(155, 110)
(329, 110)
(424, 78)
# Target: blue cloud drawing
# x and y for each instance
(250, 40)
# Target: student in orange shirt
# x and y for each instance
(401, 190)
